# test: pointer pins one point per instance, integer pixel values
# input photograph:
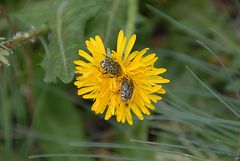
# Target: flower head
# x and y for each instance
(125, 83)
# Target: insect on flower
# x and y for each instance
(126, 89)
(110, 66)
(134, 85)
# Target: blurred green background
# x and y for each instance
(42, 118)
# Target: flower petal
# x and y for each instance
(137, 111)
(119, 40)
(100, 45)
(85, 55)
(129, 46)
(128, 116)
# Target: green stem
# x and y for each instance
(132, 16)
(25, 36)
(112, 13)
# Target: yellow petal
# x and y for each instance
(154, 98)
(144, 109)
(111, 109)
(151, 89)
(141, 105)
(79, 70)
(129, 46)
(148, 58)
(129, 116)
(86, 90)
(132, 55)
(156, 71)
(120, 113)
(104, 104)
(151, 62)
(150, 106)
(100, 45)
(163, 80)
(161, 91)
(123, 118)
(80, 63)
(95, 47)
(114, 105)
(119, 40)
(122, 47)
(89, 96)
(78, 83)
(139, 56)
(137, 111)
(95, 104)
(85, 55)
(143, 96)
(134, 66)
(93, 42)
(156, 79)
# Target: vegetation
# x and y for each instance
(42, 118)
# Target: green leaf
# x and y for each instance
(4, 52)
(36, 13)
(71, 23)
(3, 60)
(67, 35)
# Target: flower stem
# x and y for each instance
(110, 25)
(132, 16)
(20, 38)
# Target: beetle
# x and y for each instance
(110, 66)
(127, 88)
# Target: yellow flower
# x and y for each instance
(120, 84)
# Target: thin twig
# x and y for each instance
(20, 38)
